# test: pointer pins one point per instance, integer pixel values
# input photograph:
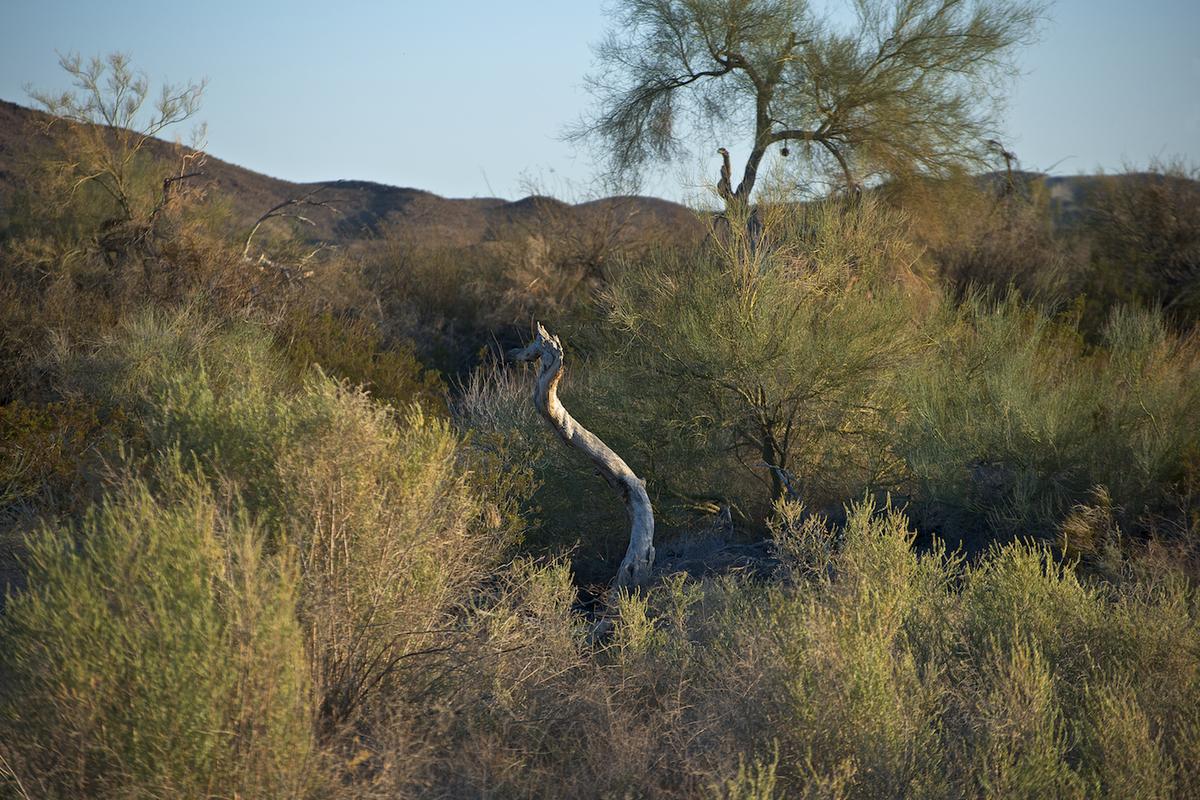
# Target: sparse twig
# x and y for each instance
(286, 208)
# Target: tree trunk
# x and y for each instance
(639, 558)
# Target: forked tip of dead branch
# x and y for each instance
(542, 342)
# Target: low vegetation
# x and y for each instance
(292, 528)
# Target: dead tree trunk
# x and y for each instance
(639, 558)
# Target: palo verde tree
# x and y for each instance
(900, 91)
(777, 363)
(102, 130)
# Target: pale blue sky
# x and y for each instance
(468, 98)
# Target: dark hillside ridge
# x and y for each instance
(369, 210)
(1071, 196)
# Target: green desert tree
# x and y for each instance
(102, 131)
(905, 88)
(777, 362)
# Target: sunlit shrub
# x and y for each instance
(156, 652)
(389, 523)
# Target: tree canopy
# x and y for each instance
(908, 88)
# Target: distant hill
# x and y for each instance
(1071, 196)
(368, 210)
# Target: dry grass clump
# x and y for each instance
(888, 673)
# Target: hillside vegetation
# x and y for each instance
(278, 521)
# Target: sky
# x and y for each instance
(471, 98)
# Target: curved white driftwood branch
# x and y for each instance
(639, 558)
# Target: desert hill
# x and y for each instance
(367, 210)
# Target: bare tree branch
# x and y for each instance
(639, 558)
(284, 209)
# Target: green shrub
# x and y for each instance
(1013, 420)
(785, 354)
(1126, 757)
(351, 349)
(156, 653)
(389, 523)
(1020, 745)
